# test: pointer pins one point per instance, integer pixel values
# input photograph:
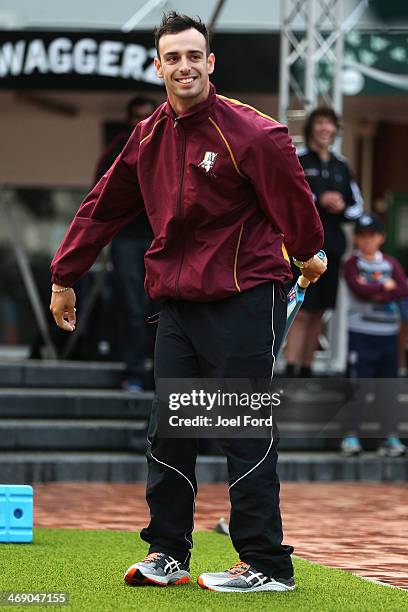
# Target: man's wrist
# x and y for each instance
(59, 288)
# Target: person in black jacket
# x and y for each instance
(338, 199)
(129, 247)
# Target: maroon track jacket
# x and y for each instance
(223, 190)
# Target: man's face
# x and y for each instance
(139, 112)
(323, 132)
(184, 66)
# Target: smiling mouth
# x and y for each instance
(186, 80)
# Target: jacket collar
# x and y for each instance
(197, 111)
(317, 156)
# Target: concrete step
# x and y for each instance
(330, 467)
(79, 374)
(73, 403)
(20, 467)
(70, 434)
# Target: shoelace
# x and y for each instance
(151, 557)
(239, 567)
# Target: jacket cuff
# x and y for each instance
(62, 281)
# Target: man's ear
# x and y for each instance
(211, 63)
(157, 65)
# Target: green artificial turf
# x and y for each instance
(89, 565)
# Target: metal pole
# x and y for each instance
(310, 85)
(140, 14)
(214, 17)
(28, 278)
(284, 67)
(337, 91)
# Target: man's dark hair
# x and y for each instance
(321, 111)
(173, 23)
(139, 101)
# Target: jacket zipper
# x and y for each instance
(179, 203)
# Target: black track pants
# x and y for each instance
(238, 337)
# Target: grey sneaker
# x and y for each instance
(392, 447)
(351, 446)
(158, 569)
(242, 578)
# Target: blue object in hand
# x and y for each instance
(16, 513)
(296, 296)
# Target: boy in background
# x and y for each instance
(376, 283)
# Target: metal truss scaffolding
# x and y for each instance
(311, 56)
(311, 40)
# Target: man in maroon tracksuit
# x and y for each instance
(227, 201)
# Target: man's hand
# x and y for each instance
(314, 268)
(332, 201)
(63, 308)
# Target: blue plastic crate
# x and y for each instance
(16, 513)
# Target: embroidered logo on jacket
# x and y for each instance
(311, 171)
(208, 162)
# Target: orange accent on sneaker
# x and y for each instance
(182, 580)
(201, 583)
(130, 578)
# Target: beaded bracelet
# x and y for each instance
(60, 290)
